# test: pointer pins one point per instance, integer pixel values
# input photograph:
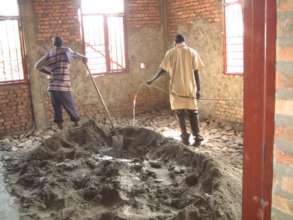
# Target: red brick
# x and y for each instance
(285, 133)
(287, 184)
(282, 157)
(285, 5)
(283, 204)
(15, 108)
(284, 107)
(56, 17)
(285, 53)
(284, 81)
(182, 12)
(143, 13)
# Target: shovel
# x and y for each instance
(116, 139)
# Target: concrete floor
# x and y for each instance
(8, 211)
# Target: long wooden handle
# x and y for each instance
(100, 97)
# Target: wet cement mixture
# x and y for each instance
(77, 174)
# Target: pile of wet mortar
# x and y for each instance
(78, 174)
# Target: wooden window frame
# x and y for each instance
(225, 40)
(22, 51)
(106, 34)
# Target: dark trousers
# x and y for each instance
(63, 99)
(193, 119)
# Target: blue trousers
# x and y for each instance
(63, 99)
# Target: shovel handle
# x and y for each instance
(100, 97)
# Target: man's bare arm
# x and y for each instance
(75, 55)
(41, 62)
(45, 71)
(41, 65)
(160, 73)
(197, 81)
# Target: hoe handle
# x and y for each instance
(100, 97)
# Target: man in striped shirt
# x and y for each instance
(56, 63)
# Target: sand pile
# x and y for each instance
(78, 175)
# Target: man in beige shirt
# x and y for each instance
(182, 64)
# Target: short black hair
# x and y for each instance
(58, 41)
(179, 39)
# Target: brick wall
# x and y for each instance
(56, 17)
(283, 150)
(230, 110)
(182, 12)
(144, 33)
(15, 109)
(143, 13)
(201, 21)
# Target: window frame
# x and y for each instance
(106, 34)
(22, 51)
(225, 40)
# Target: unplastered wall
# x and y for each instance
(15, 109)
(151, 26)
(43, 19)
(283, 149)
(201, 21)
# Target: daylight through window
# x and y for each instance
(11, 68)
(233, 37)
(104, 35)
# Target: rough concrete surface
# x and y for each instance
(77, 174)
(8, 208)
(34, 51)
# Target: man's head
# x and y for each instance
(179, 39)
(57, 41)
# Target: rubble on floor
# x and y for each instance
(221, 139)
(77, 174)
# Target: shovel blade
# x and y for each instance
(117, 141)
